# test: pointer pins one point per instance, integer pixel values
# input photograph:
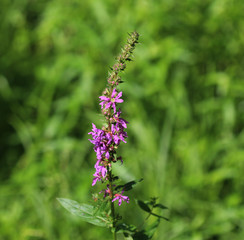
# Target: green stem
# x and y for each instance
(112, 203)
(114, 235)
(110, 178)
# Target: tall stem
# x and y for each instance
(110, 178)
(112, 203)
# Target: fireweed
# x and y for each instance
(106, 142)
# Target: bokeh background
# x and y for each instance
(184, 99)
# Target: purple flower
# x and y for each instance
(95, 131)
(102, 141)
(120, 198)
(118, 133)
(108, 102)
(100, 169)
(106, 191)
(115, 135)
(120, 121)
(97, 135)
(97, 177)
(123, 135)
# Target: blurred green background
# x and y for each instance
(184, 99)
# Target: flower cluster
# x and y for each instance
(107, 139)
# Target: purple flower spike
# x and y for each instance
(107, 139)
(108, 102)
(120, 198)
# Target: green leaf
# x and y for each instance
(141, 235)
(102, 206)
(159, 205)
(128, 186)
(123, 227)
(87, 212)
(152, 201)
(143, 206)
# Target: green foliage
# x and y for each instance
(86, 212)
(183, 99)
(131, 231)
(128, 186)
(149, 206)
(143, 232)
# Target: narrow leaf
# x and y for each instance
(84, 211)
(128, 186)
(159, 205)
(125, 228)
(143, 206)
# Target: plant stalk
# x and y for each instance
(112, 203)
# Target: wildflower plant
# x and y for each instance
(106, 142)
